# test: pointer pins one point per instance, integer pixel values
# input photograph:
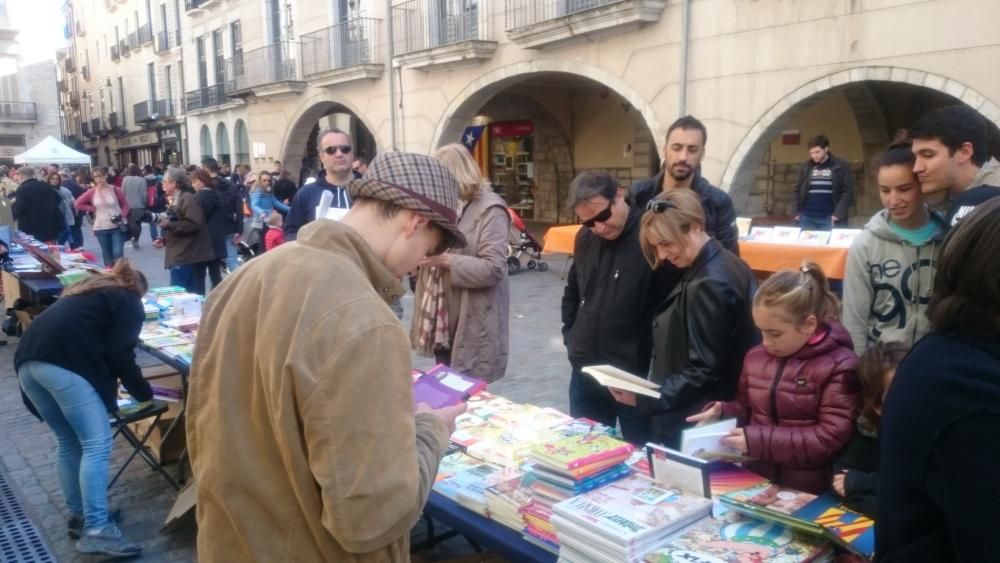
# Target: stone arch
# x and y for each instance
(553, 157)
(739, 175)
(222, 144)
(206, 142)
(294, 141)
(463, 107)
(242, 142)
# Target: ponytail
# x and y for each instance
(800, 294)
(121, 276)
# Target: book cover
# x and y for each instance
(760, 234)
(786, 235)
(774, 504)
(575, 451)
(671, 467)
(843, 238)
(727, 478)
(704, 441)
(738, 540)
(846, 527)
(166, 341)
(443, 387)
(743, 226)
(814, 238)
(455, 463)
(468, 482)
(610, 376)
(632, 509)
(512, 492)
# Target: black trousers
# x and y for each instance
(590, 399)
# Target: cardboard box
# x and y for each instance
(164, 451)
(158, 370)
(184, 505)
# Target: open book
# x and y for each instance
(704, 441)
(610, 376)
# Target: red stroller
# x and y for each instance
(521, 243)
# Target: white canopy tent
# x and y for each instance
(51, 151)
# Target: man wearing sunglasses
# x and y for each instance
(609, 300)
(337, 154)
(682, 156)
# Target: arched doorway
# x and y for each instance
(547, 124)
(860, 110)
(222, 141)
(242, 142)
(301, 156)
(206, 143)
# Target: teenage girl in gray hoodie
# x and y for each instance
(891, 265)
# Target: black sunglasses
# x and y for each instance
(344, 149)
(601, 217)
(659, 205)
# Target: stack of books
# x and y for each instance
(468, 487)
(506, 500)
(624, 520)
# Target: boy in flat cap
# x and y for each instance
(301, 427)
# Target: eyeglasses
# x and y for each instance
(601, 217)
(659, 205)
(331, 150)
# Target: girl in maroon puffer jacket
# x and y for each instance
(798, 393)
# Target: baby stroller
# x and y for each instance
(521, 243)
(244, 253)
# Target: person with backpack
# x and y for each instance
(156, 198)
(232, 205)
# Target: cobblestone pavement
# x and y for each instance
(537, 373)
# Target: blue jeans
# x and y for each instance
(183, 276)
(154, 231)
(79, 419)
(112, 243)
(232, 257)
(809, 223)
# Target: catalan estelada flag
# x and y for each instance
(477, 139)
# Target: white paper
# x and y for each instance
(699, 440)
(455, 382)
(334, 213)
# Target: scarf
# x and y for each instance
(433, 331)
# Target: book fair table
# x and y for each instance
(561, 239)
(769, 257)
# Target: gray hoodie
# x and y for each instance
(888, 284)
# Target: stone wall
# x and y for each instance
(772, 192)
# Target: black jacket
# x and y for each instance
(967, 201)
(608, 301)
(36, 210)
(232, 205)
(215, 219)
(700, 335)
(285, 190)
(94, 336)
(938, 494)
(843, 187)
(305, 202)
(720, 217)
(861, 463)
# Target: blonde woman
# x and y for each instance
(462, 298)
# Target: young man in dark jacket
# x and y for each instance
(335, 151)
(607, 306)
(682, 155)
(36, 207)
(232, 205)
(825, 189)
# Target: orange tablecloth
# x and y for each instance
(560, 239)
(767, 257)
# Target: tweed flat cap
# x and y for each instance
(416, 182)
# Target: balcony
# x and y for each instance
(98, 128)
(18, 112)
(85, 72)
(267, 72)
(153, 110)
(133, 41)
(117, 125)
(162, 44)
(81, 31)
(342, 53)
(195, 7)
(73, 142)
(69, 63)
(123, 47)
(538, 24)
(428, 34)
(85, 130)
(115, 54)
(204, 98)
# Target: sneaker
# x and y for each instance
(135, 244)
(75, 526)
(108, 541)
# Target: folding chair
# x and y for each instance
(120, 424)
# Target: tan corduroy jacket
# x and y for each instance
(301, 425)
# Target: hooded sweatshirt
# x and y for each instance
(888, 284)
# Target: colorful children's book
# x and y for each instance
(850, 529)
(453, 464)
(672, 468)
(843, 238)
(442, 386)
(814, 238)
(578, 451)
(727, 478)
(772, 503)
(165, 341)
(786, 235)
(739, 540)
(761, 234)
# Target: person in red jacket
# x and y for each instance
(798, 392)
(275, 235)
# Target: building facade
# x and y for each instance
(552, 87)
(29, 104)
